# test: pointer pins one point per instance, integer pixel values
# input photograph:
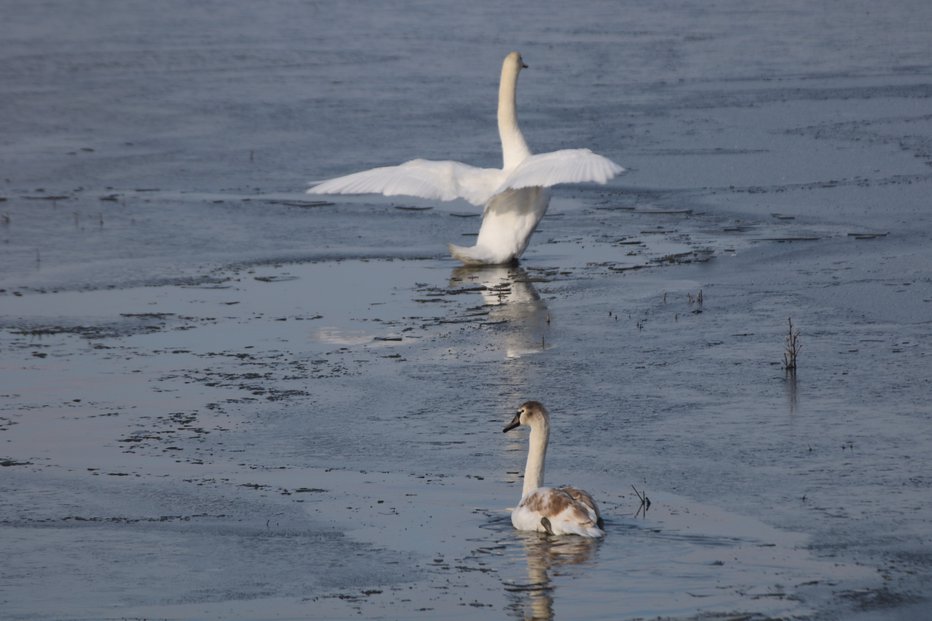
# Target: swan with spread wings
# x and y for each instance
(515, 197)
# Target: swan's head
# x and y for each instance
(531, 413)
(514, 62)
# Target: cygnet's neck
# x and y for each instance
(537, 453)
(514, 148)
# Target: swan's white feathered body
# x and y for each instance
(509, 219)
(555, 510)
(515, 196)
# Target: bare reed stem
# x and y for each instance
(792, 347)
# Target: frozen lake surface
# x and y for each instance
(220, 399)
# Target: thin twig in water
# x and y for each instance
(697, 300)
(645, 501)
(792, 347)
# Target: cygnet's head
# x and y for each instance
(530, 413)
(514, 62)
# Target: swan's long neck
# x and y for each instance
(534, 470)
(514, 148)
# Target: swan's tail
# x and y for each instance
(478, 255)
(584, 530)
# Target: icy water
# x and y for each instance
(222, 400)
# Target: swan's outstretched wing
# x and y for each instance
(438, 180)
(565, 166)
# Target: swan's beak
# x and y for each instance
(515, 422)
(523, 65)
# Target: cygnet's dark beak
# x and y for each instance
(523, 65)
(515, 422)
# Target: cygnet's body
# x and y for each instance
(515, 197)
(554, 510)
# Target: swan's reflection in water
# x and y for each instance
(546, 556)
(513, 301)
(792, 394)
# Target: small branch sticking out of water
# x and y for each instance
(792, 346)
(695, 300)
(645, 501)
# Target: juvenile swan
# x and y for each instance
(555, 510)
(515, 197)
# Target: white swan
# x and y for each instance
(515, 197)
(554, 510)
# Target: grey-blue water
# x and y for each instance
(220, 400)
